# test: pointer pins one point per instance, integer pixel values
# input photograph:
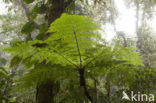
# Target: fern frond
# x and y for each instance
(72, 36)
(41, 73)
(3, 72)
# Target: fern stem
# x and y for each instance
(78, 48)
(83, 84)
(66, 59)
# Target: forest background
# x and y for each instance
(76, 51)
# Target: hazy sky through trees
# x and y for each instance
(125, 21)
(3, 8)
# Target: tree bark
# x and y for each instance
(44, 93)
(56, 8)
(83, 84)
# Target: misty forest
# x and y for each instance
(77, 51)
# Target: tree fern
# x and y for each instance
(73, 50)
(71, 36)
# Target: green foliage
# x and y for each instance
(59, 50)
(144, 78)
(4, 86)
(28, 27)
(3, 72)
(71, 8)
(74, 43)
(62, 43)
(29, 1)
(43, 29)
(72, 35)
(39, 8)
(15, 61)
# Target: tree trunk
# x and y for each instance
(137, 25)
(55, 10)
(83, 84)
(44, 93)
(108, 88)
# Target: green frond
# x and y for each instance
(72, 34)
(41, 73)
(114, 60)
(71, 37)
(3, 72)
